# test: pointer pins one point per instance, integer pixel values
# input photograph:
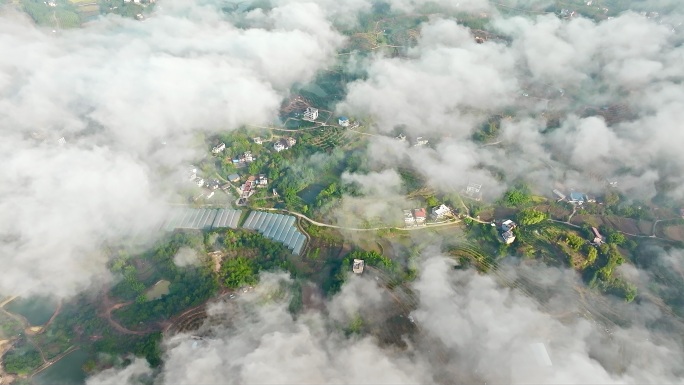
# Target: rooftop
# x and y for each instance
(358, 265)
(577, 196)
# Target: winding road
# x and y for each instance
(321, 224)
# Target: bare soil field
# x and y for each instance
(675, 233)
(626, 225)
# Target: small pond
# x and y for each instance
(310, 193)
(37, 310)
(67, 371)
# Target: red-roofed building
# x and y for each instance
(421, 215)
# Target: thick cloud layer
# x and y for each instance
(624, 69)
(471, 330)
(116, 90)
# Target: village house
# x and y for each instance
(507, 235)
(440, 212)
(234, 178)
(247, 188)
(192, 174)
(258, 140)
(420, 215)
(243, 159)
(343, 121)
(218, 149)
(577, 198)
(420, 141)
(213, 184)
(284, 144)
(311, 114)
(598, 238)
(200, 182)
(262, 181)
(409, 220)
(358, 265)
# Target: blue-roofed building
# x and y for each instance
(343, 121)
(576, 197)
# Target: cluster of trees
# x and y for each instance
(328, 194)
(519, 195)
(190, 285)
(238, 272)
(159, 261)
(22, 359)
(79, 323)
(269, 255)
(615, 204)
(340, 270)
(9, 327)
(529, 217)
(574, 241)
(45, 15)
(601, 264)
(489, 130)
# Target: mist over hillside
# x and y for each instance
(99, 121)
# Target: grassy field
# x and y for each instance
(157, 291)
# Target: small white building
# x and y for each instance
(310, 114)
(278, 146)
(508, 237)
(420, 141)
(507, 225)
(358, 265)
(343, 121)
(258, 140)
(192, 173)
(219, 148)
(200, 182)
(409, 220)
(290, 141)
(262, 181)
(440, 211)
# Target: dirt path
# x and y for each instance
(27, 329)
(574, 210)
(54, 315)
(108, 307)
(48, 363)
(8, 300)
(321, 224)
